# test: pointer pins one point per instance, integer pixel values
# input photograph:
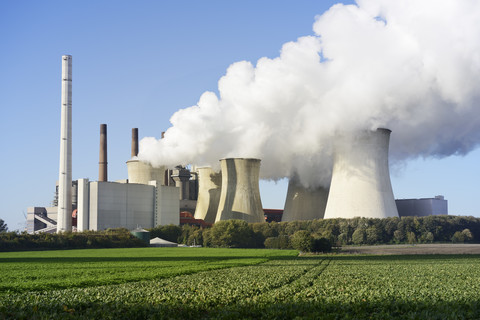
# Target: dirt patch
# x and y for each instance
(446, 248)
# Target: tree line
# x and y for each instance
(338, 232)
(313, 235)
(111, 238)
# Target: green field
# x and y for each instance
(234, 283)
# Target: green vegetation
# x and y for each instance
(339, 232)
(56, 269)
(3, 226)
(277, 285)
(110, 238)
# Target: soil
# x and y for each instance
(443, 248)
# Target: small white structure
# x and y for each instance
(361, 184)
(159, 242)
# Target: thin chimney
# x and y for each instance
(64, 220)
(102, 164)
(134, 142)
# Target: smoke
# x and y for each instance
(412, 66)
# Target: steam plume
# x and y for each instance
(412, 66)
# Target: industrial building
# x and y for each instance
(422, 207)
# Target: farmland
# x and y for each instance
(223, 283)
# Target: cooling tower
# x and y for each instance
(102, 161)
(209, 188)
(304, 203)
(240, 194)
(361, 180)
(64, 217)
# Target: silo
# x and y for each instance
(304, 203)
(139, 171)
(209, 188)
(240, 194)
(361, 184)
(142, 172)
(141, 234)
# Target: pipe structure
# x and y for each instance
(64, 218)
(209, 188)
(181, 176)
(240, 193)
(361, 184)
(304, 203)
(103, 163)
(134, 142)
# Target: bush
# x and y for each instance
(322, 245)
(280, 242)
(303, 241)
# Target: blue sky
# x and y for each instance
(134, 64)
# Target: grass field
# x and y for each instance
(242, 284)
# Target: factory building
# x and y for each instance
(422, 207)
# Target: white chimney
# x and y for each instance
(64, 218)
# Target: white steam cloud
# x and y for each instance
(412, 66)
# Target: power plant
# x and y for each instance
(151, 196)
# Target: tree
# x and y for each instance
(358, 236)
(303, 241)
(3, 226)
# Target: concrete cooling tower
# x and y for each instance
(304, 203)
(361, 180)
(209, 188)
(240, 195)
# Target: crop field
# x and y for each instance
(254, 284)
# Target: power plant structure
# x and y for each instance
(360, 185)
(209, 189)
(304, 203)
(151, 196)
(65, 175)
(240, 193)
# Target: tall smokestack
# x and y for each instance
(102, 162)
(361, 184)
(64, 218)
(304, 203)
(209, 188)
(134, 142)
(240, 195)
